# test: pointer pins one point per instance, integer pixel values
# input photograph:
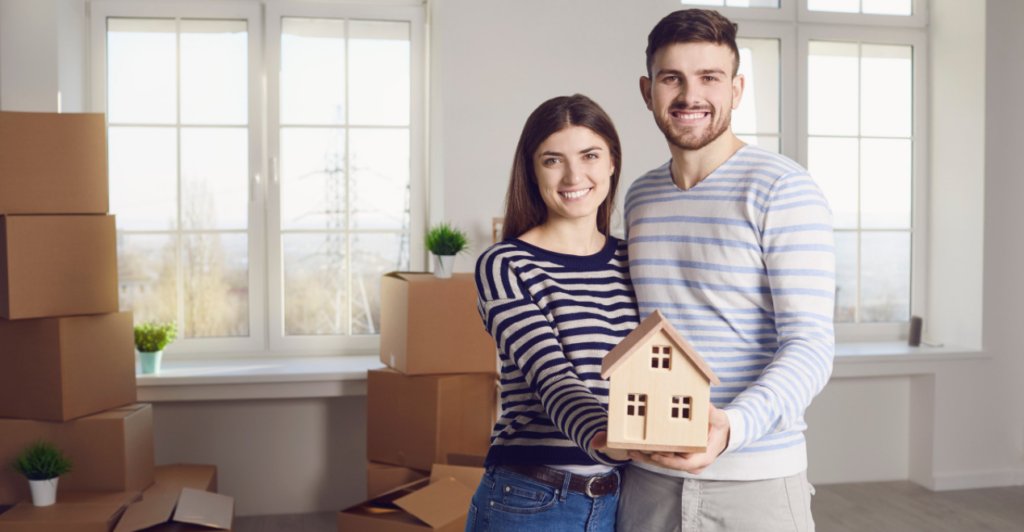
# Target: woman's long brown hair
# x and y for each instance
(524, 207)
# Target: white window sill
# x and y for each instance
(303, 377)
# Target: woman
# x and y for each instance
(556, 297)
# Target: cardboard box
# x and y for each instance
(382, 478)
(197, 477)
(113, 451)
(59, 369)
(416, 422)
(431, 326)
(178, 510)
(75, 511)
(183, 498)
(440, 503)
(57, 266)
(53, 163)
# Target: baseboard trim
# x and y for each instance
(996, 478)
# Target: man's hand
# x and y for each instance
(693, 463)
(600, 443)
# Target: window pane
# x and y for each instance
(141, 65)
(312, 71)
(840, 6)
(373, 255)
(832, 88)
(886, 90)
(885, 183)
(214, 178)
(885, 277)
(768, 143)
(313, 178)
(147, 276)
(380, 178)
(214, 69)
(215, 270)
(888, 7)
(759, 108)
(833, 165)
(846, 277)
(315, 296)
(379, 73)
(752, 3)
(144, 177)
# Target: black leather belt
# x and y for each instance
(593, 487)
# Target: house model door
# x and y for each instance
(636, 416)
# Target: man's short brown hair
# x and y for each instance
(693, 25)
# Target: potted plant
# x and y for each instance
(150, 340)
(42, 463)
(445, 241)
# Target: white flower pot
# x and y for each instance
(44, 492)
(443, 265)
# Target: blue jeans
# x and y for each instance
(507, 501)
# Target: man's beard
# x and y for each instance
(688, 142)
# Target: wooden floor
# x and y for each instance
(870, 507)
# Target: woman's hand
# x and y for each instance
(600, 443)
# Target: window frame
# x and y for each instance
(99, 12)
(338, 344)
(788, 104)
(785, 12)
(917, 19)
(864, 332)
(266, 275)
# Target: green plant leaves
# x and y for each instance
(152, 336)
(444, 239)
(42, 460)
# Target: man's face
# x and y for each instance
(693, 92)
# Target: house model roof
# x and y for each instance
(650, 326)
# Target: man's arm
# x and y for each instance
(799, 255)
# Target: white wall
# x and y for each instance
(1003, 409)
(274, 456)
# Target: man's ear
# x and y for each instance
(645, 92)
(738, 84)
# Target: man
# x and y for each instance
(734, 245)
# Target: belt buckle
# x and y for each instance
(586, 487)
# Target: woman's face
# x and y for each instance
(574, 169)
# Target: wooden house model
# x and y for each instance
(660, 391)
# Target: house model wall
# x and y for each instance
(660, 391)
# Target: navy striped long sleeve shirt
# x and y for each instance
(553, 317)
(743, 265)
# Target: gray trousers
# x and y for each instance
(650, 502)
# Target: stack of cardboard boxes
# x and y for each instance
(67, 357)
(431, 411)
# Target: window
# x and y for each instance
(758, 119)
(733, 3)
(860, 149)
(661, 357)
(862, 140)
(871, 7)
(636, 405)
(242, 263)
(681, 407)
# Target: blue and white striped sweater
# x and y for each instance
(743, 264)
(554, 317)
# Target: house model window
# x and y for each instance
(661, 357)
(681, 406)
(636, 404)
